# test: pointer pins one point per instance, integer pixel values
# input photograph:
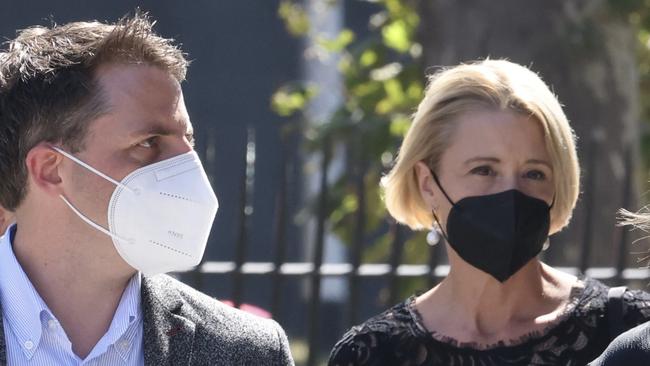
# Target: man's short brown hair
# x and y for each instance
(48, 88)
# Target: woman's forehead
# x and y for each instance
(497, 134)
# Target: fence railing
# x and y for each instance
(309, 270)
(315, 269)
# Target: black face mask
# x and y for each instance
(497, 233)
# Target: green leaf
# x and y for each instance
(396, 36)
(342, 40)
(399, 125)
(287, 100)
(368, 58)
(394, 91)
(295, 18)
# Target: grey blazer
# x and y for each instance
(183, 326)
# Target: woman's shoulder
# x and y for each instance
(377, 338)
(636, 308)
(596, 296)
(637, 299)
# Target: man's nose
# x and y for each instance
(177, 146)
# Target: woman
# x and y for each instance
(490, 163)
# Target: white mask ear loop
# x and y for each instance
(91, 222)
(87, 166)
(75, 210)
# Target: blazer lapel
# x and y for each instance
(168, 336)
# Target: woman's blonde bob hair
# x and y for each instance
(493, 84)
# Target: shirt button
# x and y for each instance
(51, 324)
(29, 345)
(123, 345)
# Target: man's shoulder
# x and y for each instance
(630, 348)
(220, 324)
(208, 311)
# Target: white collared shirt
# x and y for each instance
(34, 336)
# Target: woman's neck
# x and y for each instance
(471, 306)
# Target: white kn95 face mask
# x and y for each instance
(160, 215)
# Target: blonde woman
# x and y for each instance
(490, 163)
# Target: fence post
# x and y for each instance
(246, 212)
(395, 258)
(627, 201)
(314, 305)
(359, 229)
(590, 176)
(280, 230)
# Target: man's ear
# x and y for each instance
(43, 165)
(425, 182)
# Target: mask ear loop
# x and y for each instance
(552, 203)
(75, 210)
(91, 222)
(87, 166)
(435, 178)
(547, 243)
(435, 217)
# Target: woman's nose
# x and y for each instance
(510, 182)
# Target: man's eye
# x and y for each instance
(190, 138)
(148, 143)
(536, 175)
(483, 170)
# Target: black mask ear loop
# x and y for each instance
(547, 243)
(435, 217)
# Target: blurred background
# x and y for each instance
(299, 107)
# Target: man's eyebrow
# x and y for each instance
(157, 129)
(151, 130)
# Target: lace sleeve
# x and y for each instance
(637, 307)
(356, 348)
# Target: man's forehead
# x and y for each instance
(146, 97)
(137, 81)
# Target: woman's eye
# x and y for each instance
(536, 175)
(483, 170)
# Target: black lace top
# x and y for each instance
(398, 337)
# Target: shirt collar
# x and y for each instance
(22, 306)
(127, 318)
(25, 312)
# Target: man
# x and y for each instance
(6, 219)
(98, 166)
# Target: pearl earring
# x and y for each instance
(433, 237)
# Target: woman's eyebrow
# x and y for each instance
(489, 159)
(541, 162)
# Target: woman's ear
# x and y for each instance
(425, 183)
(43, 164)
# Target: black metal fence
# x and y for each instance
(314, 269)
